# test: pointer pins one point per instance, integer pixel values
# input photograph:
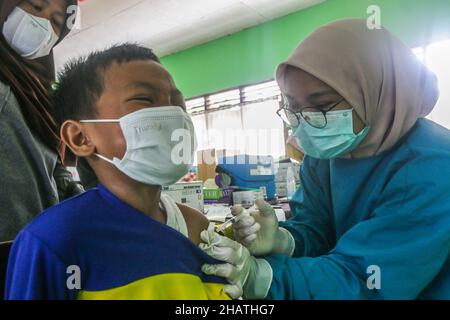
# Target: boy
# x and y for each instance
(121, 111)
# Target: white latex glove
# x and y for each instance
(259, 231)
(247, 275)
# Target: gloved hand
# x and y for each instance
(259, 231)
(247, 275)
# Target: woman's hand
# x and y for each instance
(259, 231)
(247, 275)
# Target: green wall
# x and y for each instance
(251, 55)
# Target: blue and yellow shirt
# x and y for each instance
(95, 246)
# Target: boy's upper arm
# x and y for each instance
(35, 272)
(196, 222)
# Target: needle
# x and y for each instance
(226, 224)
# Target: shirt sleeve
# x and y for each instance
(311, 225)
(406, 240)
(35, 272)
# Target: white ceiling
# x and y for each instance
(167, 26)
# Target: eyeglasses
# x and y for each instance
(314, 116)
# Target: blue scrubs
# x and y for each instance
(391, 211)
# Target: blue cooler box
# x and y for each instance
(250, 172)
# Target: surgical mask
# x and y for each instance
(335, 139)
(30, 36)
(155, 155)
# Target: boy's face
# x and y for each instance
(129, 87)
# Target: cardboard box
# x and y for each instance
(207, 162)
(187, 193)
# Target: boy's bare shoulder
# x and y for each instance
(195, 220)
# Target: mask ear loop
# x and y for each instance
(102, 121)
(104, 158)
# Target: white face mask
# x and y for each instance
(160, 145)
(31, 37)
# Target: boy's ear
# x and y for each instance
(74, 136)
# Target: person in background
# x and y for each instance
(32, 173)
(120, 110)
(372, 217)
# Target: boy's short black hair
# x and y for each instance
(80, 83)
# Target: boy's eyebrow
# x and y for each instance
(142, 85)
(148, 86)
